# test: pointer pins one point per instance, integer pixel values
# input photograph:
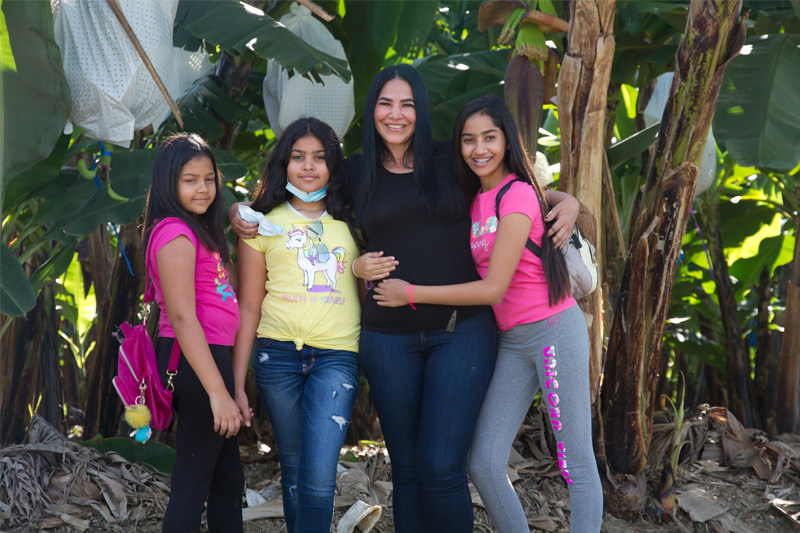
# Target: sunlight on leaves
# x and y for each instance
(750, 246)
(84, 305)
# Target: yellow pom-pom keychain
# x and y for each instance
(137, 416)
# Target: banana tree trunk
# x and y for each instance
(766, 359)
(789, 370)
(23, 345)
(582, 90)
(120, 301)
(737, 353)
(713, 36)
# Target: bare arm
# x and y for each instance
(512, 234)
(253, 270)
(242, 228)
(176, 263)
(564, 212)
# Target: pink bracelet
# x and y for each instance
(411, 297)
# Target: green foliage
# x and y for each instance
(758, 115)
(78, 305)
(16, 293)
(76, 206)
(54, 267)
(633, 146)
(255, 33)
(154, 454)
(33, 84)
(18, 189)
(646, 35)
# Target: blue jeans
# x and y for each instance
(428, 388)
(309, 395)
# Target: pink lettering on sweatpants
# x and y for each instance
(551, 386)
(562, 462)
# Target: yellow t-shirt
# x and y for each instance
(312, 297)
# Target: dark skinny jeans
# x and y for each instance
(428, 388)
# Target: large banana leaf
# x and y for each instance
(19, 188)
(372, 27)
(376, 33)
(34, 92)
(757, 119)
(55, 265)
(16, 292)
(440, 71)
(202, 106)
(414, 26)
(633, 146)
(76, 206)
(238, 27)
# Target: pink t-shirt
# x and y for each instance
(526, 299)
(217, 306)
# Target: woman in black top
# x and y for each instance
(428, 368)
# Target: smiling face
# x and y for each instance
(307, 169)
(483, 147)
(197, 185)
(395, 114)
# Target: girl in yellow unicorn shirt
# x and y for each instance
(299, 297)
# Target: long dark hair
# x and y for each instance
(272, 191)
(376, 152)
(163, 200)
(518, 162)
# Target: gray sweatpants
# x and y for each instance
(551, 355)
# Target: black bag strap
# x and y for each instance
(530, 245)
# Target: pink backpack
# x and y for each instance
(138, 382)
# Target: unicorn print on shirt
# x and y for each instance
(313, 258)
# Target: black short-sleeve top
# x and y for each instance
(432, 249)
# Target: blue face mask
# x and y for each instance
(307, 196)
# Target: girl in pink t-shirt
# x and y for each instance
(543, 339)
(194, 282)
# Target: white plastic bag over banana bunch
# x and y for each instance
(287, 99)
(113, 94)
(652, 114)
(187, 68)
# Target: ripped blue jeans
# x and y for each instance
(309, 395)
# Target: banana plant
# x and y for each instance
(530, 65)
(714, 34)
(667, 488)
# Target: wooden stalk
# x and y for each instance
(788, 406)
(612, 204)
(22, 362)
(582, 90)
(713, 36)
(317, 10)
(738, 355)
(765, 357)
(117, 10)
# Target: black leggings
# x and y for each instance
(207, 464)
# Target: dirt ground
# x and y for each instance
(729, 479)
